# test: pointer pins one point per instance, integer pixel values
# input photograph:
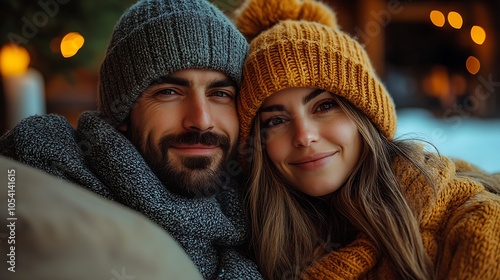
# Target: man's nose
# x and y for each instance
(198, 115)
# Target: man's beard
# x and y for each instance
(197, 175)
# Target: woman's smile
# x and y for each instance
(313, 162)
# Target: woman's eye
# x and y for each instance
(325, 106)
(273, 122)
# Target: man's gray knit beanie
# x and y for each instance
(154, 38)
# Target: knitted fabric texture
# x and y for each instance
(99, 158)
(154, 38)
(459, 227)
(303, 47)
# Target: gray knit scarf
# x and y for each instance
(102, 160)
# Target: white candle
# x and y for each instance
(24, 96)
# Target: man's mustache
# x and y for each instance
(192, 138)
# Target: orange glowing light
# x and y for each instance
(473, 65)
(71, 43)
(14, 60)
(455, 20)
(437, 18)
(478, 34)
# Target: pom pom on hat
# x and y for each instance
(256, 16)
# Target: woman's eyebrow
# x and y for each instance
(312, 95)
(272, 108)
(307, 98)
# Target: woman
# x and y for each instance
(331, 193)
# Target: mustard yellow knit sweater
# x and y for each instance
(460, 227)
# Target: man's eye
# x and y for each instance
(221, 94)
(166, 91)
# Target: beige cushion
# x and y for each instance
(65, 232)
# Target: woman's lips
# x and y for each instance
(314, 161)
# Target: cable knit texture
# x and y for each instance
(458, 223)
(298, 44)
(99, 158)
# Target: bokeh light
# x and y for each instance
(14, 60)
(437, 18)
(478, 34)
(71, 43)
(455, 20)
(473, 65)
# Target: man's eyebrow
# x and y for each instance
(222, 83)
(187, 83)
(171, 80)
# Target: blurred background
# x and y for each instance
(438, 59)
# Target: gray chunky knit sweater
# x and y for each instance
(99, 158)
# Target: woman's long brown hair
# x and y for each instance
(290, 229)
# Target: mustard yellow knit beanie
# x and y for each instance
(297, 43)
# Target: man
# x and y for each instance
(165, 130)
